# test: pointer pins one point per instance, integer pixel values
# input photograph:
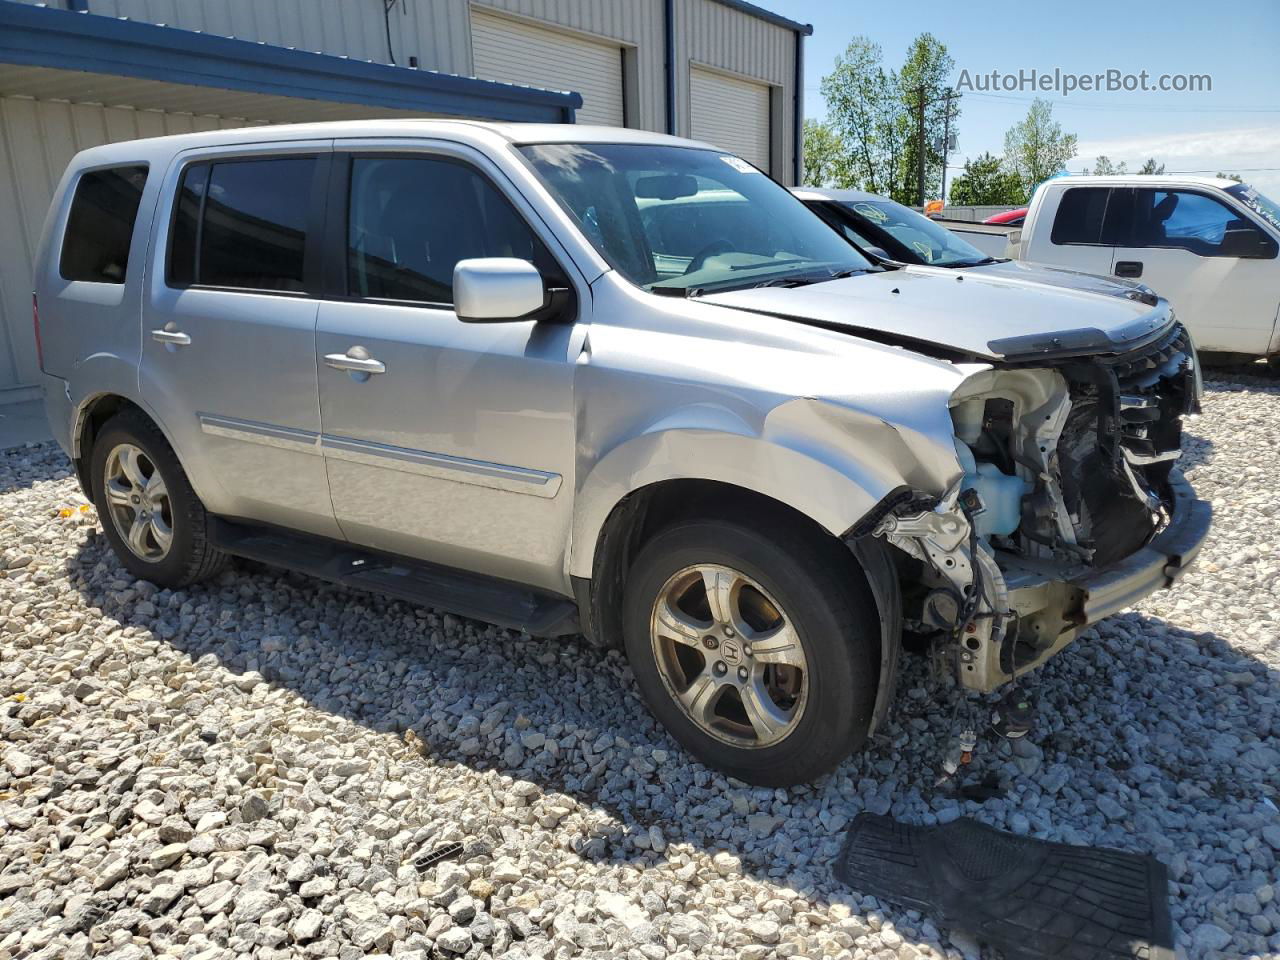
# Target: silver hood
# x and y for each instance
(1021, 271)
(964, 312)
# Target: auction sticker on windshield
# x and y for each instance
(739, 164)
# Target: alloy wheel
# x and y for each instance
(729, 656)
(138, 502)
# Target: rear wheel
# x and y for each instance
(151, 516)
(758, 648)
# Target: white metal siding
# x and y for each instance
(730, 113)
(37, 140)
(638, 24)
(714, 35)
(515, 51)
(434, 31)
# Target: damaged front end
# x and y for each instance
(1067, 510)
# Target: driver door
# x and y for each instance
(446, 441)
(1186, 245)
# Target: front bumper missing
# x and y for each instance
(1053, 610)
(1158, 564)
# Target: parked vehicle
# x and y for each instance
(896, 236)
(886, 230)
(1208, 245)
(479, 366)
(1009, 218)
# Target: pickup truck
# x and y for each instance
(1207, 245)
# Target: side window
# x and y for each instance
(411, 219)
(242, 224)
(1080, 214)
(95, 246)
(1192, 221)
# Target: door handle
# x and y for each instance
(175, 337)
(1128, 268)
(354, 364)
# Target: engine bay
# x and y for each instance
(1067, 467)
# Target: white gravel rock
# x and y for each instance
(250, 767)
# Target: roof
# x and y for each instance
(841, 196)
(1146, 180)
(475, 132)
(42, 37)
(768, 15)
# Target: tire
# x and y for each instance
(815, 586)
(187, 554)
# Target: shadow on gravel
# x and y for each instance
(1154, 739)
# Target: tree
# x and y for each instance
(1150, 169)
(1103, 167)
(1036, 148)
(872, 110)
(826, 160)
(923, 78)
(864, 111)
(1230, 176)
(985, 182)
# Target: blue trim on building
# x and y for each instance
(62, 40)
(768, 15)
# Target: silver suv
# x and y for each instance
(586, 380)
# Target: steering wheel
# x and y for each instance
(710, 250)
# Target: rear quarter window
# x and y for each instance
(95, 245)
(1079, 217)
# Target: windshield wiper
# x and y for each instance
(971, 263)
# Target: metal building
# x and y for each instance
(77, 73)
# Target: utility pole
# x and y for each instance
(946, 143)
(920, 145)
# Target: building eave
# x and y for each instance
(60, 39)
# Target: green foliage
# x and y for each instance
(826, 158)
(924, 75)
(1230, 176)
(1036, 148)
(985, 182)
(872, 112)
(1150, 169)
(1103, 167)
(863, 109)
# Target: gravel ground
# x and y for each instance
(251, 766)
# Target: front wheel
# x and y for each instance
(757, 648)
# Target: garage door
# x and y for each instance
(730, 113)
(519, 52)
(37, 140)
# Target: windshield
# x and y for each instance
(684, 218)
(1260, 204)
(910, 236)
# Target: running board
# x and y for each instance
(472, 595)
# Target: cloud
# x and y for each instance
(1239, 150)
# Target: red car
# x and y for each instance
(1010, 218)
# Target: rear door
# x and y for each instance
(1214, 264)
(1076, 232)
(228, 346)
(451, 442)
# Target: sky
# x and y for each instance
(1234, 127)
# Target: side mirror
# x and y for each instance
(497, 290)
(1247, 243)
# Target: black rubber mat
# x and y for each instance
(1030, 899)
